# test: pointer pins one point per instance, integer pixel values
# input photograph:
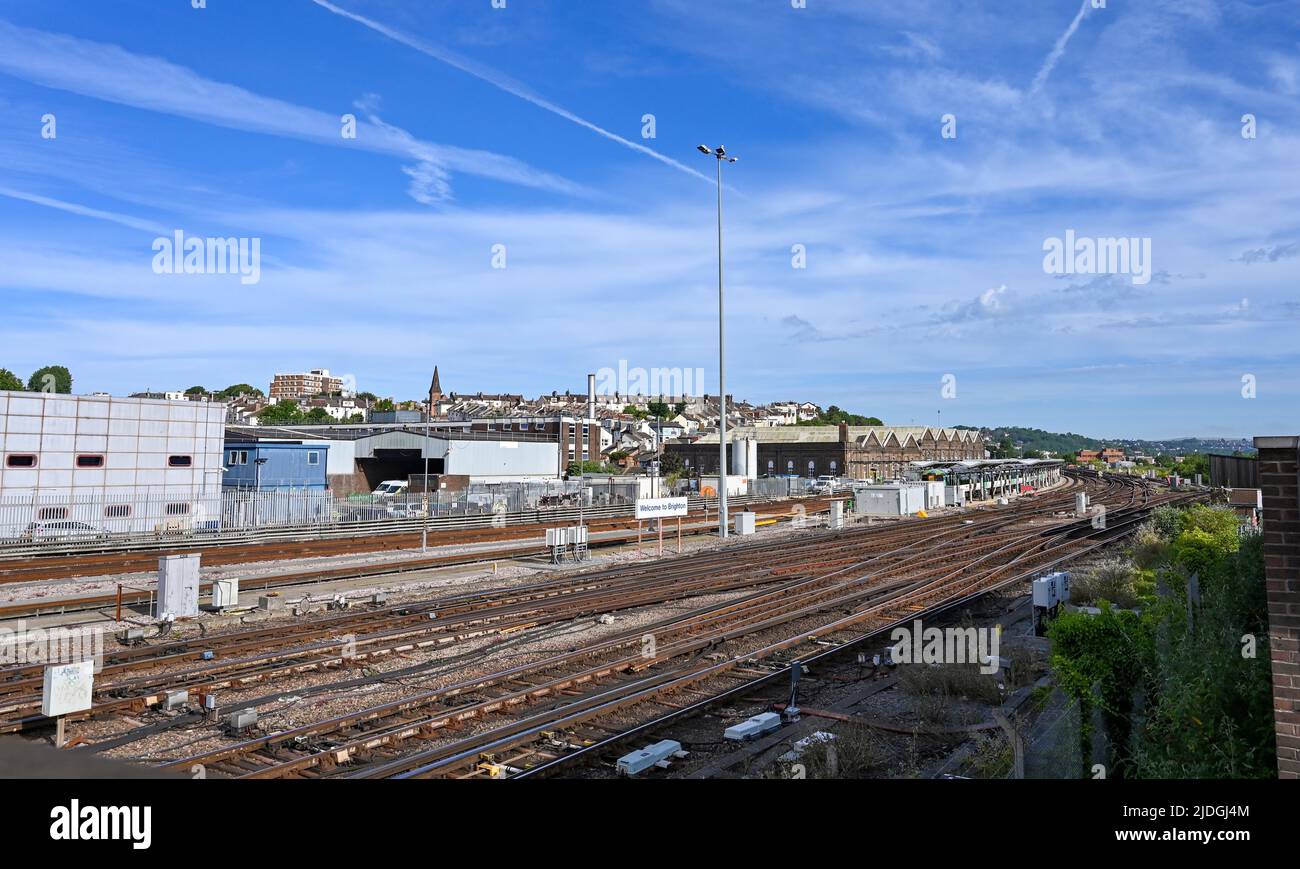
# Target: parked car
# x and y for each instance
(64, 530)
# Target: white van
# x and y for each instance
(389, 488)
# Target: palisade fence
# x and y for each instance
(53, 518)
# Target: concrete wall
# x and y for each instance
(1279, 478)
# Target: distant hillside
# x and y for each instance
(1020, 439)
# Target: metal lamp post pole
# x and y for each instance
(720, 153)
(424, 526)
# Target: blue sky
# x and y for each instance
(522, 127)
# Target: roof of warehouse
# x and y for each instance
(831, 433)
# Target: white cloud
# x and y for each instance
(111, 73)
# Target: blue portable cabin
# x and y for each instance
(294, 466)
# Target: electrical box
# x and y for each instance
(178, 585)
(1045, 592)
(745, 523)
(577, 534)
(753, 728)
(1081, 504)
(837, 515)
(225, 593)
(176, 699)
(1062, 580)
(557, 536)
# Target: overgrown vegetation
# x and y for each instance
(1183, 687)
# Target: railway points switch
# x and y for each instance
(239, 722)
(657, 755)
(753, 728)
(131, 636)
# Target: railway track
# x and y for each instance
(34, 568)
(608, 533)
(759, 603)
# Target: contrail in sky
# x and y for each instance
(505, 83)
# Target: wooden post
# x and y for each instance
(60, 732)
(1017, 744)
(679, 535)
(638, 537)
(119, 602)
(661, 538)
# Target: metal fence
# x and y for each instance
(51, 518)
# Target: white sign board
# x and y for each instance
(660, 508)
(67, 688)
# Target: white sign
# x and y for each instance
(67, 688)
(660, 508)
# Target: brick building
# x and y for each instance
(860, 452)
(1279, 479)
(295, 386)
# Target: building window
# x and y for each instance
(523, 426)
(90, 460)
(179, 509)
(117, 511)
(238, 457)
(47, 514)
(20, 460)
(313, 458)
(180, 461)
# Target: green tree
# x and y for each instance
(318, 415)
(197, 390)
(658, 409)
(237, 389)
(679, 408)
(285, 412)
(51, 378)
(9, 381)
(385, 405)
(633, 411)
(833, 415)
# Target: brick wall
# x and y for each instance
(1279, 479)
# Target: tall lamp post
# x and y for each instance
(720, 153)
(424, 526)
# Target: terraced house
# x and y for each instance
(860, 452)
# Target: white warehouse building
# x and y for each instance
(99, 459)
